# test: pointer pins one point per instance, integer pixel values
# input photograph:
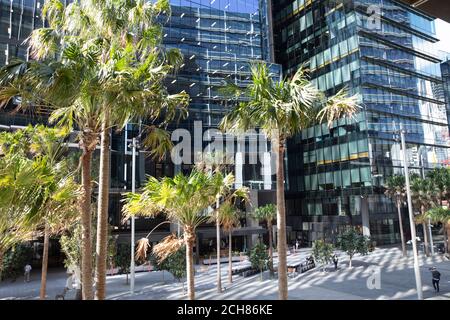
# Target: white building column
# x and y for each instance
(365, 216)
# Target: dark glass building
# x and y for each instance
(384, 52)
(218, 39)
(445, 69)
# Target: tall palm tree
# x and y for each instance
(267, 214)
(185, 200)
(228, 217)
(224, 192)
(62, 91)
(128, 80)
(442, 215)
(282, 109)
(423, 193)
(106, 67)
(441, 179)
(395, 189)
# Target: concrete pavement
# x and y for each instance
(390, 276)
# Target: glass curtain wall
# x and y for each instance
(385, 53)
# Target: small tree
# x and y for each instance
(122, 260)
(174, 264)
(353, 243)
(259, 258)
(267, 213)
(322, 252)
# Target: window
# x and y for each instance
(355, 175)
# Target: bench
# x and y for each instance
(295, 269)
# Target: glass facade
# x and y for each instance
(445, 69)
(385, 53)
(218, 39)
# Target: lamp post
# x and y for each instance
(133, 190)
(411, 218)
(430, 233)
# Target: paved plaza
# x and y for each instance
(384, 274)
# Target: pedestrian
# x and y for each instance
(296, 244)
(436, 277)
(210, 246)
(27, 270)
(335, 261)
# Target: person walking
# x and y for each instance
(27, 270)
(436, 277)
(335, 261)
(296, 245)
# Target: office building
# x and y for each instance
(383, 51)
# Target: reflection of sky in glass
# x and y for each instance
(443, 32)
(241, 6)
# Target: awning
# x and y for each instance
(436, 8)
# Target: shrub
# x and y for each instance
(259, 258)
(322, 252)
(15, 260)
(352, 242)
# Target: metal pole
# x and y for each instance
(431, 236)
(429, 220)
(219, 276)
(133, 189)
(411, 218)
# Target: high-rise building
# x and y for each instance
(218, 39)
(383, 51)
(445, 69)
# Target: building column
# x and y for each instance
(365, 216)
(252, 239)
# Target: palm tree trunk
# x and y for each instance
(86, 238)
(102, 210)
(425, 233)
(219, 276)
(281, 223)
(44, 263)
(269, 229)
(400, 222)
(230, 258)
(2, 254)
(425, 238)
(189, 238)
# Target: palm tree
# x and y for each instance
(423, 193)
(61, 91)
(56, 192)
(442, 215)
(107, 68)
(224, 191)
(58, 209)
(282, 109)
(395, 189)
(267, 214)
(19, 190)
(441, 179)
(185, 200)
(228, 217)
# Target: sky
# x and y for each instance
(443, 33)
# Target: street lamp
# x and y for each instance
(134, 145)
(411, 218)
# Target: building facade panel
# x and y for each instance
(385, 53)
